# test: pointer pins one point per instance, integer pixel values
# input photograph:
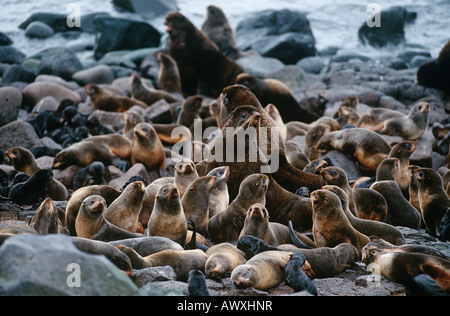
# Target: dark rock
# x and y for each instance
(16, 73)
(313, 65)
(391, 30)
(18, 133)
(38, 29)
(58, 22)
(146, 8)
(5, 40)
(119, 34)
(343, 58)
(10, 102)
(159, 113)
(259, 66)
(59, 62)
(285, 35)
(10, 55)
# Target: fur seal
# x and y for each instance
(34, 190)
(195, 202)
(24, 161)
(147, 148)
(273, 112)
(414, 188)
(227, 225)
(148, 95)
(219, 198)
(146, 246)
(434, 74)
(105, 100)
(434, 201)
(190, 110)
(400, 211)
(331, 226)
(124, 211)
(49, 219)
(185, 173)
(203, 68)
(257, 224)
(94, 174)
(251, 246)
(422, 274)
(363, 203)
(168, 75)
(91, 223)
(295, 277)
(197, 284)
(222, 259)
(444, 228)
(367, 147)
(368, 227)
(272, 91)
(168, 218)
(182, 261)
(403, 151)
(312, 137)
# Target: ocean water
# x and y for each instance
(333, 23)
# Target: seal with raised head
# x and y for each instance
(434, 74)
(190, 110)
(147, 148)
(222, 259)
(219, 198)
(185, 173)
(148, 95)
(105, 100)
(90, 222)
(168, 75)
(403, 151)
(49, 219)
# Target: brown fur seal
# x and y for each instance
(24, 161)
(227, 225)
(73, 205)
(146, 147)
(124, 211)
(434, 201)
(49, 219)
(400, 211)
(363, 203)
(105, 100)
(368, 227)
(273, 112)
(312, 137)
(168, 218)
(262, 272)
(316, 166)
(257, 224)
(168, 75)
(91, 223)
(149, 95)
(388, 169)
(414, 188)
(422, 274)
(219, 30)
(222, 259)
(190, 110)
(434, 74)
(149, 198)
(331, 226)
(403, 152)
(195, 202)
(202, 66)
(182, 261)
(219, 199)
(366, 147)
(219, 112)
(274, 91)
(184, 174)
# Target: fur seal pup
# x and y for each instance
(363, 203)
(368, 227)
(91, 223)
(182, 261)
(227, 225)
(403, 151)
(262, 272)
(195, 202)
(257, 224)
(147, 148)
(34, 190)
(222, 259)
(219, 198)
(105, 100)
(197, 284)
(124, 211)
(219, 30)
(272, 91)
(168, 218)
(94, 174)
(295, 277)
(331, 226)
(203, 68)
(24, 161)
(400, 211)
(168, 75)
(367, 147)
(422, 274)
(251, 246)
(185, 173)
(49, 219)
(434, 74)
(434, 201)
(148, 95)
(190, 110)
(444, 228)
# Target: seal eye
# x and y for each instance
(420, 174)
(407, 146)
(331, 172)
(244, 116)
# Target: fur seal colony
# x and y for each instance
(164, 198)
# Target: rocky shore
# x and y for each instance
(275, 44)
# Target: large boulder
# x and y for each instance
(283, 34)
(10, 55)
(39, 29)
(51, 265)
(5, 40)
(392, 29)
(119, 34)
(146, 8)
(18, 133)
(59, 62)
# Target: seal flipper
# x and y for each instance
(294, 238)
(193, 244)
(428, 286)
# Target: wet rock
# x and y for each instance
(313, 65)
(38, 29)
(10, 55)
(146, 8)
(259, 66)
(10, 102)
(58, 22)
(18, 133)
(59, 62)
(5, 40)
(16, 73)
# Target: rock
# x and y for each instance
(313, 65)
(259, 66)
(344, 287)
(55, 79)
(392, 30)
(153, 274)
(59, 62)
(52, 265)
(167, 288)
(343, 58)
(119, 34)
(18, 133)
(292, 76)
(284, 34)
(46, 104)
(159, 113)
(136, 170)
(10, 55)
(36, 91)
(58, 22)
(16, 73)
(116, 120)
(10, 102)
(5, 40)
(146, 8)
(96, 75)
(39, 30)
